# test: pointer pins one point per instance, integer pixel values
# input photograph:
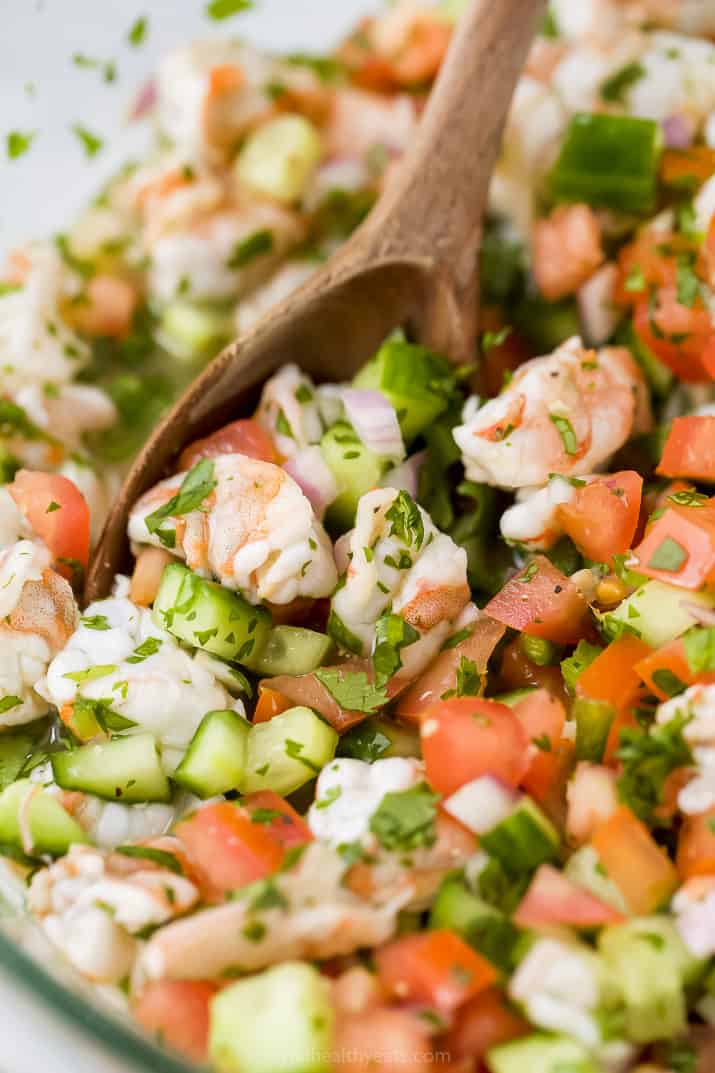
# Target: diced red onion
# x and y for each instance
(705, 616)
(481, 804)
(145, 100)
(677, 131)
(311, 472)
(374, 420)
(598, 313)
(406, 476)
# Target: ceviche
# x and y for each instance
(397, 748)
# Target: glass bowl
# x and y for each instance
(51, 1020)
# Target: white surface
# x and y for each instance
(42, 90)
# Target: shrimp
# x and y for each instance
(360, 120)
(694, 908)
(289, 410)
(698, 703)
(399, 559)
(564, 413)
(301, 914)
(255, 532)
(566, 250)
(91, 905)
(152, 681)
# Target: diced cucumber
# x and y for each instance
(206, 615)
(279, 158)
(126, 769)
(278, 1021)
(414, 379)
(593, 722)
(190, 331)
(478, 922)
(291, 650)
(541, 1054)
(356, 469)
(215, 760)
(651, 965)
(15, 749)
(288, 751)
(584, 868)
(524, 840)
(655, 612)
(658, 375)
(378, 738)
(51, 828)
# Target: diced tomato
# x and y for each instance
(688, 451)
(270, 703)
(625, 718)
(695, 163)
(650, 261)
(227, 849)
(517, 671)
(225, 78)
(542, 602)
(552, 898)
(679, 547)
(612, 676)
(440, 676)
(307, 689)
(602, 516)
(696, 846)
(146, 577)
(641, 870)
(466, 737)
(108, 308)
(542, 717)
(566, 250)
(387, 1040)
(279, 817)
(420, 58)
(244, 437)
(682, 337)
(483, 1022)
(663, 667)
(436, 967)
(58, 513)
(177, 1012)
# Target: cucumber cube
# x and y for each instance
(480, 924)
(291, 650)
(190, 331)
(656, 613)
(415, 380)
(288, 751)
(279, 159)
(279, 1021)
(356, 469)
(52, 829)
(524, 840)
(215, 760)
(126, 769)
(541, 1054)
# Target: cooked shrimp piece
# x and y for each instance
(413, 39)
(564, 413)
(111, 823)
(694, 908)
(311, 915)
(108, 307)
(400, 560)
(289, 410)
(533, 519)
(255, 532)
(697, 703)
(360, 120)
(566, 250)
(147, 676)
(91, 910)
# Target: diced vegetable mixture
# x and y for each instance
(396, 751)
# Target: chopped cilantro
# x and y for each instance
(392, 634)
(283, 425)
(248, 249)
(669, 556)
(223, 9)
(137, 31)
(366, 741)
(648, 756)
(405, 820)
(493, 339)
(687, 283)
(147, 648)
(294, 750)
(95, 622)
(352, 689)
(331, 794)
(157, 856)
(456, 639)
(406, 519)
(91, 143)
(17, 143)
(468, 680)
(91, 673)
(582, 657)
(196, 486)
(615, 88)
(52, 507)
(85, 710)
(565, 430)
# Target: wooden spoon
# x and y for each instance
(412, 263)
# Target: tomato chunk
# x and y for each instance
(226, 849)
(58, 513)
(467, 737)
(270, 703)
(436, 967)
(679, 547)
(552, 898)
(667, 669)
(244, 437)
(680, 336)
(641, 870)
(542, 717)
(542, 602)
(281, 820)
(483, 1022)
(601, 518)
(688, 451)
(177, 1011)
(612, 676)
(696, 846)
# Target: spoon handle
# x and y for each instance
(433, 208)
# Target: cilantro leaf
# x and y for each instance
(616, 87)
(352, 689)
(392, 634)
(100, 670)
(366, 741)
(156, 856)
(648, 757)
(406, 518)
(256, 245)
(700, 649)
(95, 622)
(405, 820)
(110, 722)
(137, 32)
(147, 648)
(223, 9)
(91, 143)
(196, 486)
(18, 142)
(468, 680)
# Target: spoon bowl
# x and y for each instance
(411, 264)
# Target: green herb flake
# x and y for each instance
(294, 750)
(224, 9)
(468, 680)
(648, 756)
(18, 142)
(494, 339)
(95, 622)
(406, 518)
(147, 648)
(615, 88)
(52, 507)
(565, 430)
(92, 673)
(156, 856)
(254, 931)
(456, 639)
(405, 820)
(688, 497)
(392, 634)
(669, 556)
(331, 794)
(353, 690)
(687, 283)
(248, 249)
(138, 31)
(8, 703)
(91, 143)
(198, 483)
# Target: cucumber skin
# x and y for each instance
(354, 476)
(52, 828)
(524, 840)
(223, 770)
(593, 723)
(479, 923)
(90, 770)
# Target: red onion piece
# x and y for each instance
(145, 100)
(374, 420)
(310, 471)
(481, 804)
(598, 312)
(677, 131)
(705, 616)
(406, 476)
